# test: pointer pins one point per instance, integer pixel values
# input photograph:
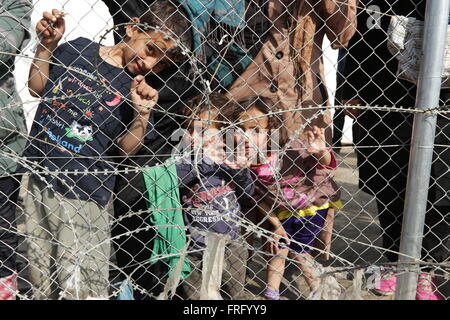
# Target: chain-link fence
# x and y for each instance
(227, 149)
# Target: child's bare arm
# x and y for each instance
(50, 30)
(144, 98)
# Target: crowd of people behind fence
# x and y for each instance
(210, 164)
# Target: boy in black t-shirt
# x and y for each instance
(95, 99)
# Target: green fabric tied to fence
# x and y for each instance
(166, 215)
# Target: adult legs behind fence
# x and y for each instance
(390, 205)
(437, 234)
(133, 249)
(68, 245)
(9, 191)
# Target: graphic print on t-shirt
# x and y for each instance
(83, 113)
(80, 132)
(78, 97)
(213, 209)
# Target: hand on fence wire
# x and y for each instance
(239, 157)
(316, 144)
(238, 161)
(51, 28)
(213, 148)
(144, 97)
(280, 240)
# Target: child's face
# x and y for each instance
(146, 51)
(255, 131)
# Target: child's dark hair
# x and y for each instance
(170, 17)
(199, 104)
(265, 106)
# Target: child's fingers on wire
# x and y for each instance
(144, 89)
(142, 92)
(316, 133)
(150, 92)
(59, 21)
(137, 80)
(310, 136)
(135, 83)
(146, 92)
(42, 25)
(229, 163)
(319, 132)
(287, 240)
(140, 89)
(43, 28)
(49, 16)
(275, 247)
(53, 23)
(56, 13)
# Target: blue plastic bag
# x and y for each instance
(125, 291)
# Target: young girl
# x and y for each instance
(210, 188)
(294, 187)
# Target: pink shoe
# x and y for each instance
(426, 288)
(8, 287)
(386, 286)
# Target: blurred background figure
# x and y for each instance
(14, 23)
(339, 114)
(383, 139)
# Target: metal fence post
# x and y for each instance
(428, 88)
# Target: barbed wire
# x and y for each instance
(248, 226)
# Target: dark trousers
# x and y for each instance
(435, 245)
(133, 245)
(437, 234)
(338, 127)
(9, 191)
(390, 206)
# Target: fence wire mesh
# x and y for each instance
(227, 149)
